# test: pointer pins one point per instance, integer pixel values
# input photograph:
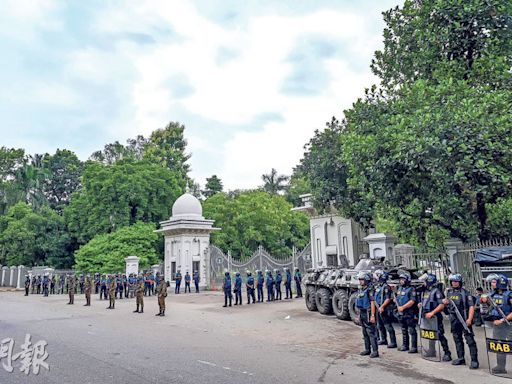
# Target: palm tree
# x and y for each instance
(274, 183)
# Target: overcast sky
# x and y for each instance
(250, 80)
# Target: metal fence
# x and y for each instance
(260, 260)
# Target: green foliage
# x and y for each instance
(105, 253)
(118, 195)
(254, 218)
(500, 217)
(63, 170)
(274, 183)
(32, 238)
(299, 185)
(213, 186)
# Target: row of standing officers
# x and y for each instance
(378, 305)
(272, 284)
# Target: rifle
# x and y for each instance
(459, 317)
(498, 308)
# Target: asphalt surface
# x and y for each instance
(198, 342)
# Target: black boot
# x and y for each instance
(159, 313)
(163, 312)
(137, 310)
(141, 309)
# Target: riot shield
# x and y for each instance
(429, 339)
(498, 340)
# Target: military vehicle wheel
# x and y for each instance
(311, 299)
(340, 305)
(354, 312)
(324, 301)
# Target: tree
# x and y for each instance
(274, 183)
(63, 171)
(28, 237)
(432, 145)
(113, 196)
(105, 253)
(213, 186)
(255, 218)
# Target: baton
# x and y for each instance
(498, 308)
(459, 317)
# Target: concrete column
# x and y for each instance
(403, 255)
(381, 245)
(12, 277)
(207, 258)
(21, 277)
(4, 276)
(132, 265)
(155, 268)
(452, 246)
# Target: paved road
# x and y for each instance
(201, 342)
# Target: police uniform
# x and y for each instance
(365, 298)
(71, 289)
(385, 319)
(178, 283)
(279, 280)
(432, 297)
(463, 300)
(103, 288)
(298, 282)
(27, 285)
(270, 287)
(407, 318)
(288, 284)
(112, 289)
(196, 281)
(226, 286)
(250, 289)
(238, 289)
(260, 281)
(187, 282)
(88, 289)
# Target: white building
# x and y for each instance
(187, 240)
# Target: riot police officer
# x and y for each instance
(178, 282)
(407, 308)
(502, 298)
(188, 278)
(279, 280)
(103, 287)
(46, 282)
(238, 289)
(298, 281)
(27, 284)
(259, 285)
(385, 307)
(461, 302)
(249, 284)
(226, 287)
(432, 306)
(88, 289)
(270, 286)
(365, 302)
(196, 280)
(139, 294)
(288, 284)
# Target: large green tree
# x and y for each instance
(31, 237)
(105, 253)
(250, 219)
(63, 171)
(113, 196)
(213, 186)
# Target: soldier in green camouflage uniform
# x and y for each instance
(139, 295)
(71, 289)
(162, 294)
(88, 288)
(112, 292)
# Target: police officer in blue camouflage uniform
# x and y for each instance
(465, 304)
(298, 281)
(238, 289)
(407, 309)
(196, 280)
(270, 286)
(288, 284)
(365, 302)
(385, 307)
(249, 284)
(226, 287)
(178, 282)
(432, 306)
(103, 287)
(279, 280)
(502, 297)
(260, 282)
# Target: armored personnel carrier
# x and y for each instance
(332, 289)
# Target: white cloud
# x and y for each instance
(234, 92)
